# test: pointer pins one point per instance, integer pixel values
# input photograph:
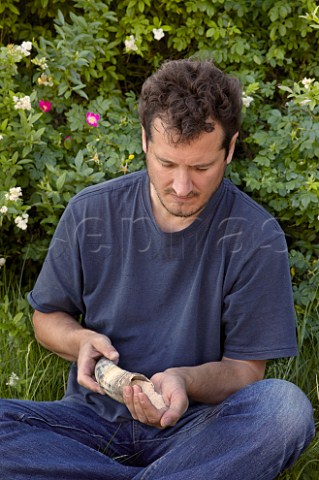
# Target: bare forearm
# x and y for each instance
(60, 333)
(63, 335)
(214, 381)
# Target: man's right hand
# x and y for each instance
(92, 347)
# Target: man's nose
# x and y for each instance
(182, 182)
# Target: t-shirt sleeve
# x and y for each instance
(258, 312)
(59, 285)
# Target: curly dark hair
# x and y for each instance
(189, 96)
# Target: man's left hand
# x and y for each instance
(172, 388)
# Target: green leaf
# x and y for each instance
(282, 30)
(81, 93)
(79, 160)
(18, 317)
(27, 149)
(38, 134)
(25, 161)
(61, 181)
(62, 88)
(285, 88)
(4, 124)
(61, 17)
(141, 6)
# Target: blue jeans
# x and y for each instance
(253, 435)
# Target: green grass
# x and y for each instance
(43, 376)
(303, 371)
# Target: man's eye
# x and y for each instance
(167, 165)
(201, 169)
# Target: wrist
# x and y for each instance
(79, 337)
(185, 376)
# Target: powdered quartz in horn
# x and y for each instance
(112, 379)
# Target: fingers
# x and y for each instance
(141, 407)
(93, 347)
(144, 411)
(90, 383)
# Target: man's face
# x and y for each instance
(183, 177)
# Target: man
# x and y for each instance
(177, 275)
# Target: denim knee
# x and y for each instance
(290, 403)
(289, 410)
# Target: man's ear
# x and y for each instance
(144, 141)
(231, 148)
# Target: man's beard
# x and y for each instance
(179, 213)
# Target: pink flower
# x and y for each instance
(92, 119)
(45, 106)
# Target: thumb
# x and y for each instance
(170, 418)
(108, 351)
(177, 407)
(113, 355)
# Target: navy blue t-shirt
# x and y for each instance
(219, 287)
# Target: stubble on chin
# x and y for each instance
(178, 212)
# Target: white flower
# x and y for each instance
(22, 221)
(158, 33)
(41, 62)
(13, 380)
(306, 82)
(130, 44)
(2, 262)
(45, 80)
(1, 137)
(25, 48)
(247, 100)
(3, 209)
(24, 103)
(14, 193)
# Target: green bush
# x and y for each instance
(93, 59)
